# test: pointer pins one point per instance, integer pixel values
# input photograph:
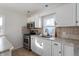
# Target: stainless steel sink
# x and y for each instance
(47, 36)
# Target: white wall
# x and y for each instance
(13, 27)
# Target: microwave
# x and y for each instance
(31, 25)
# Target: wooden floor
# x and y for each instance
(23, 52)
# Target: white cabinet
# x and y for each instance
(76, 51)
(65, 15)
(41, 46)
(68, 50)
(77, 9)
(77, 14)
(30, 19)
(46, 47)
(56, 49)
(33, 47)
(38, 23)
(36, 45)
(37, 20)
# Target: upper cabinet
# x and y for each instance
(30, 19)
(66, 15)
(38, 22)
(77, 12)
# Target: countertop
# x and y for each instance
(65, 41)
(4, 44)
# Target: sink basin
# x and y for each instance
(47, 36)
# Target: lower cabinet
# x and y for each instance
(45, 47)
(67, 50)
(33, 47)
(59, 49)
(41, 46)
(36, 45)
(56, 49)
(70, 50)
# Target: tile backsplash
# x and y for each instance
(70, 32)
(27, 31)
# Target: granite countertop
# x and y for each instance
(65, 41)
(4, 44)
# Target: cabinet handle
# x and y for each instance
(55, 44)
(76, 21)
(41, 44)
(60, 52)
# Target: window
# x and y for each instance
(49, 22)
(1, 25)
(49, 25)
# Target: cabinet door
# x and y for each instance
(76, 51)
(33, 44)
(77, 14)
(77, 9)
(68, 50)
(46, 47)
(38, 22)
(30, 19)
(65, 15)
(56, 49)
(38, 45)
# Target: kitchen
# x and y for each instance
(49, 30)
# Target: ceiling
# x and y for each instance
(27, 8)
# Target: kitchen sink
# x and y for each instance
(47, 36)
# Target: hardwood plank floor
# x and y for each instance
(23, 52)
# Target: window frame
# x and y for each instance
(3, 26)
(54, 15)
